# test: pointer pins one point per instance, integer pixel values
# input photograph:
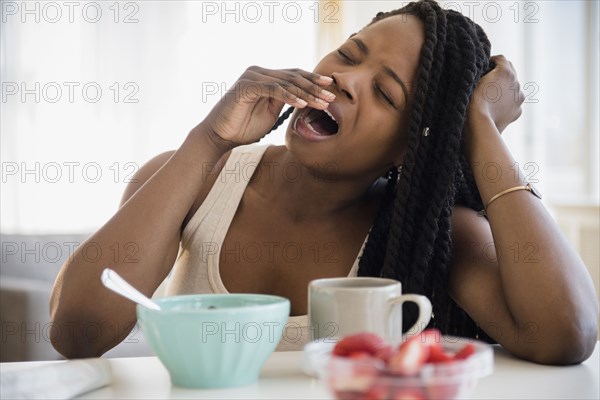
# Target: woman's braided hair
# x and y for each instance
(410, 238)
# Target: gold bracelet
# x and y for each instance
(529, 187)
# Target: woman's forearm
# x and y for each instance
(547, 288)
(149, 223)
(140, 242)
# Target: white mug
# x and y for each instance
(338, 307)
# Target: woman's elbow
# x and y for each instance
(75, 334)
(75, 349)
(572, 343)
(583, 341)
(73, 338)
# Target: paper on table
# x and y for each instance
(63, 380)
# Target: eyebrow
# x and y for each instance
(365, 51)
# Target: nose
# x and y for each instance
(345, 82)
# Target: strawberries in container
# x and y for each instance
(425, 366)
(365, 342)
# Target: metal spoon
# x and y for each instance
(114, 282)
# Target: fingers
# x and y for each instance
(511, 74)
(499, 58)
(502, 61)
(279, 92)
(300, 88)
(303, 84)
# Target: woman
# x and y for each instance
(401, 157)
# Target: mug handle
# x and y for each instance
(425, 310)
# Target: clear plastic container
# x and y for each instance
(368, 378)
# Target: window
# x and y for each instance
(554, 48)
(92, 90)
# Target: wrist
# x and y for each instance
(478, 127)
(477, 117)
(209, 138)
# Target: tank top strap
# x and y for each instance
(227, 191)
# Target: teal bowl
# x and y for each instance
(214, 340)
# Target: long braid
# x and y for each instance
(375, 248)
(402, 223)
(443, 248)
(416, 222)
(286, 114)
(410, 239)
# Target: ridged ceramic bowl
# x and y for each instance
(214, 340)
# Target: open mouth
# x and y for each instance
(322, 122)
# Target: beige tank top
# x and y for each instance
(196, 270)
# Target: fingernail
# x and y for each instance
(303, 103)
(322, 102)
(328, 94)
(325, 79)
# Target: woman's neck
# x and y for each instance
(306, 193)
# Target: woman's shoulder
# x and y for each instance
(146, 171)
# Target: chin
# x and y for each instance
(322, 158)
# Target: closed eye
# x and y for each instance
(345, 57)
(385, 96)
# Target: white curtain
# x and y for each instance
(92, 90)
(86, 103)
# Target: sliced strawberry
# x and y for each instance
(359, 355)
(384, 353)
(465, 352)
(367, 342)
(431, 337)
(438, 355)
(409, 393)
(379, 391)
(409, 358)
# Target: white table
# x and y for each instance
(282, 378)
